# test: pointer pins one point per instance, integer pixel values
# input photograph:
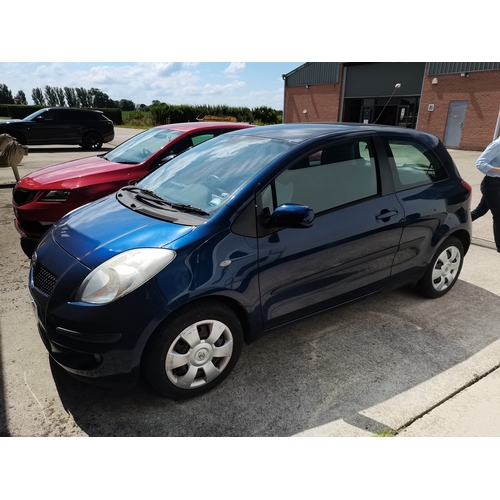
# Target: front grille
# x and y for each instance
(21, 196)
(44, 280)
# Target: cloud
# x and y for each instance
(234, 69)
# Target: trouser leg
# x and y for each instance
(481, 209)
(490, 187)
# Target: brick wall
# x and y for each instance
(482, 91)
(322, 103)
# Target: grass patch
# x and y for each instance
(386, 433)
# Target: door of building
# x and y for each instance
(402, 119)
(455, 123)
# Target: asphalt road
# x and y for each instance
(366, 369)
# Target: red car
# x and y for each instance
(44, 196)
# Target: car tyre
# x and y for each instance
(195, 351)
(92, 140)
(28, 246)
(444, 269)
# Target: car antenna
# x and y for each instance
(396, 87)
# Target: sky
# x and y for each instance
(237, 84)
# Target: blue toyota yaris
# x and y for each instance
(241, 235)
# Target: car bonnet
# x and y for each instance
(69, 175)
(97, 232)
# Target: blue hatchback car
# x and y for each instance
(239, 236)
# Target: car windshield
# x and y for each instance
(142, 146)
(208, 175)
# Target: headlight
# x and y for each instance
(55, 195)
(123, 273)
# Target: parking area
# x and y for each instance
(363, 370)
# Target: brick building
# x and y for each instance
(458, 102)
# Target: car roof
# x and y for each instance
(188, 126)
(301, 132)
(63, 108)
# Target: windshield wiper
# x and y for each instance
(142, 190)
(147, 195)
(188, 208)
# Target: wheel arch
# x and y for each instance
(464, 238)
(18, 136)
(231, 303)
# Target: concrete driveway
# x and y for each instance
(374, 367)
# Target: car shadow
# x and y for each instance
(328, 369)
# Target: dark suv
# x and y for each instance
(85, 127)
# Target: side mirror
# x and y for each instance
(293, 216)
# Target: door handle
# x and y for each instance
(385, 215)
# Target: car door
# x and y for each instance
(45, 128)
(71, 125)
(349, 250)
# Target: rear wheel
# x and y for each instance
(92, 140)
(195, 352)
(443, 270)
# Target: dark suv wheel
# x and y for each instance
(92, 140)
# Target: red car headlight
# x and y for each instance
(55, 195)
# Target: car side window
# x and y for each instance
(413, 164)
(202, 138)
(188, 142)
(334, 176)
(49, 115)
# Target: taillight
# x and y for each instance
(469, 188)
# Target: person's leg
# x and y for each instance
(481, 209)
(491, 191)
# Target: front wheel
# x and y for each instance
(195, 352)
(92, 140)
(443, 270)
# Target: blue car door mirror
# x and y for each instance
(292, 216)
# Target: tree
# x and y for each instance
(50, 95)
(71, 97)
(100, 99)
(60, 96)
(5, 95)
(126, 105)
(37, 96)
(265, 115)
(21, 98)
(84, 99)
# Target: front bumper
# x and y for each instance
(99, 342)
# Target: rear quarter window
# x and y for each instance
(413, 164)
(201, 138)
